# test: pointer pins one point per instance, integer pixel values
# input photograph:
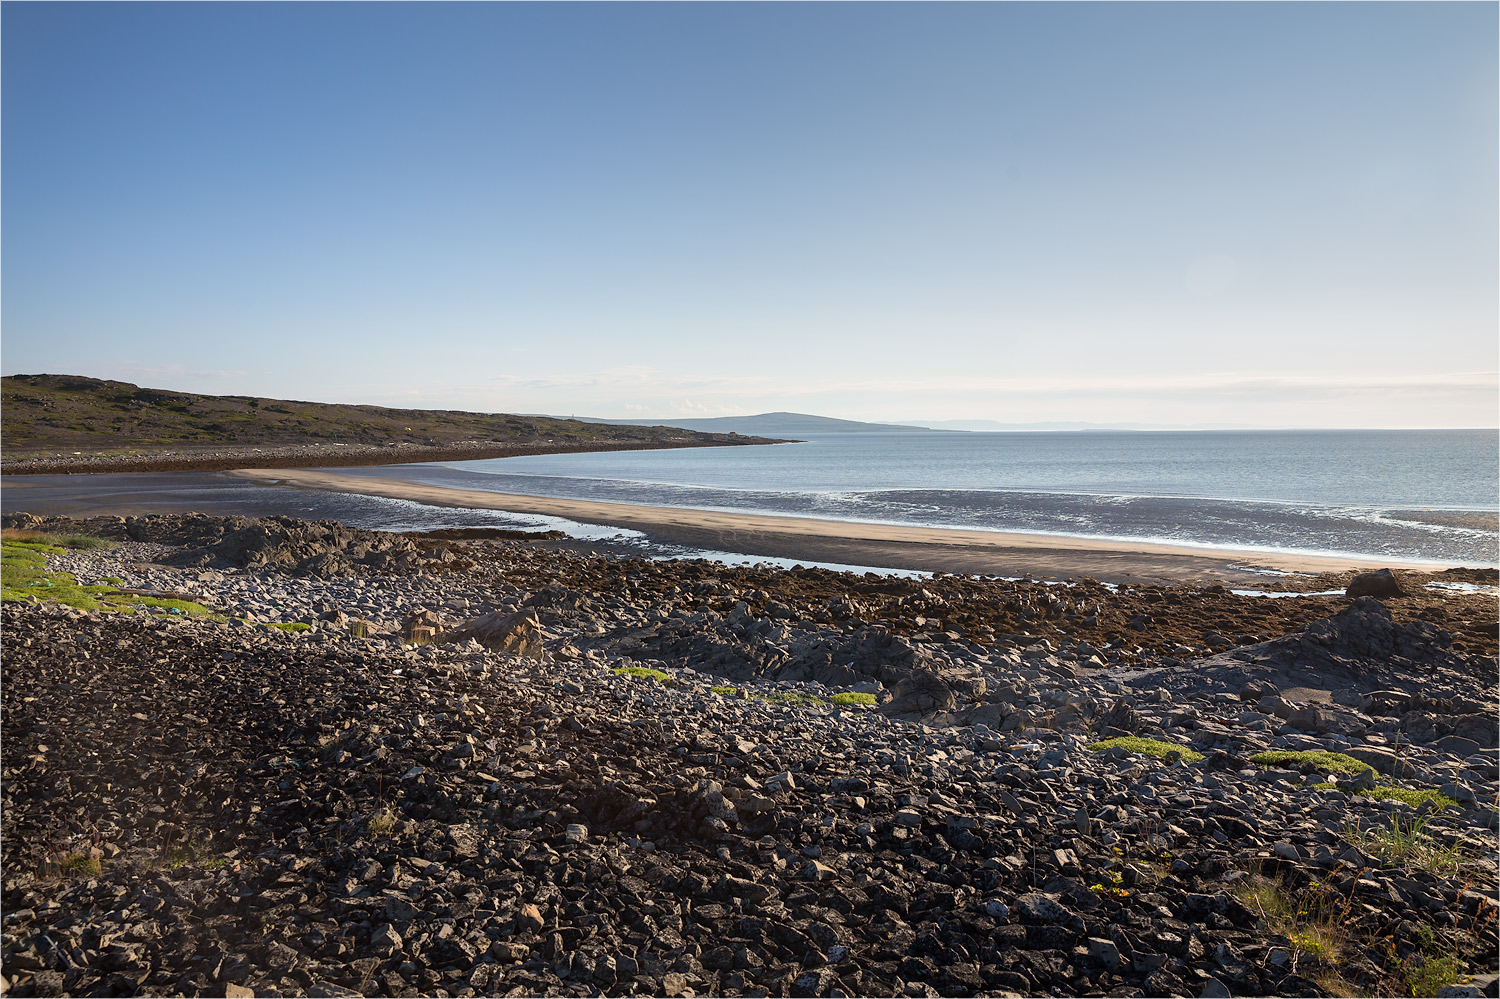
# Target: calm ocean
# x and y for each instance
(1399, 494)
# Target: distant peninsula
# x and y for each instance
(770, 424)
(72, 423)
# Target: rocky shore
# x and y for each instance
(377, 764)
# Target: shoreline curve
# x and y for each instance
(855, 543)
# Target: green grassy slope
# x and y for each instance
(50, 413)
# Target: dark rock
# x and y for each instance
(1381, 583)
(513, 634)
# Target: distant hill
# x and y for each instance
(993, 425)
(769, 425)
(43, 413)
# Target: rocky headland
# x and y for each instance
(327, 761)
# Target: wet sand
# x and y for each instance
(876, 545)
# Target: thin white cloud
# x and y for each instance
(1215, 382)
(169, 376)
(664, 384)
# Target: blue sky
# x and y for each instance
(1277, 214)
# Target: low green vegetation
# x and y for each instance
(1315, 918)
(66, 413)
(1406, 841)
(54, 543)
(382, 822)
(1410, 795)
(1115, 886)
(790, 697)
(192, 852)
(24, 577)
(1312, 919)
(793, 697)
(1423, 975)
(1322, 759)
(1395, 792)
(1146, 747)
(850, 697)
(78, 865)
(294, 627)
(643, 673)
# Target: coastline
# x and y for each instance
(855, 543)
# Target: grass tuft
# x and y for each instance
(293, 627)
(53, 543)
(1313, 920)
(381, 822)
(1406, 841)
(850, 697)
(1423, 976)
(78, 865)
(1146, 747)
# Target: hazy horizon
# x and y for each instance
(1164, 214)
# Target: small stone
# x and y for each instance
(1457, 792)
(1362, 781)
(1105, 952)
(813, 983)
(577, 833)
(732, 887)
(507, 951)
(908, 817)
(1214, 989)
(530, 919)
(1039, 908)
(385, 941)
(997, 910)
(818, 872)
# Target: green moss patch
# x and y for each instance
(1412, 796)
(1294, 759)
(850, 697)
(643, 673)
(726, 691)
(1146, 747)
(291, 626)
(24, 576)
(796, 697)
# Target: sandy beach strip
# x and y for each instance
(851, 543)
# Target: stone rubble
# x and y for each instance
(316, 813)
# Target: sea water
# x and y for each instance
(1414, 494)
